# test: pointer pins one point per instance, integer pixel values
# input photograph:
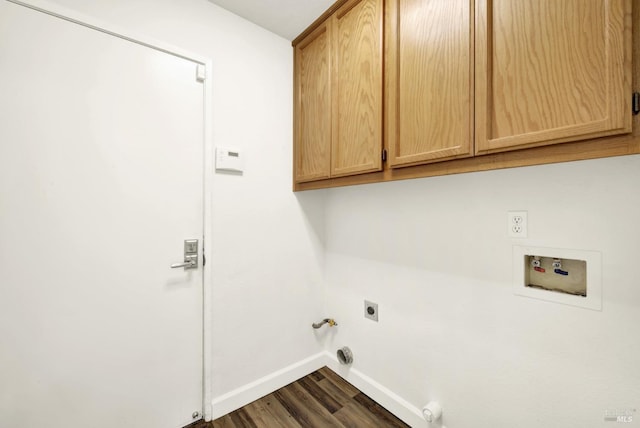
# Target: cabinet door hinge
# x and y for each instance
(384, 155)
(635, 103)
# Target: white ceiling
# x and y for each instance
(287, 18)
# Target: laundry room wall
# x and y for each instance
(434, 254)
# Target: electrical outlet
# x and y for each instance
(371, 310)
(517, 224)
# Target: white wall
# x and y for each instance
(267, 255)
(434, 254)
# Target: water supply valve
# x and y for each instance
(557, 267)
(536, 264)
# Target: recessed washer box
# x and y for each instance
(571, 277)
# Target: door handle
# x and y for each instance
(190, 264)
(190, 255)
(190, 261)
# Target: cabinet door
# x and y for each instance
(550, 71)
(357, 88)
(312, 145)
(429, 74)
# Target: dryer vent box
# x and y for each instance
(566, 276)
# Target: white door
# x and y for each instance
(101, 180)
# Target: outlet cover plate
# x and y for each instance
(517, 224)
(371, 310)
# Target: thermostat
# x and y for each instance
(229, 160)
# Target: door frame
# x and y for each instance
(74, 17)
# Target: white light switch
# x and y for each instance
(228, 159)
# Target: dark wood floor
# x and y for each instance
(322, 399)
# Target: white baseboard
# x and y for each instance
(391, 401)
(246, 394)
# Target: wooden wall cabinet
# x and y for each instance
(338, 94)
(312, 115)
(469, 85)
(429, 79)
(551, 71)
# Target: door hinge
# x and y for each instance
(204, 258)
(635, 103)
(384, 155)
(201, 73)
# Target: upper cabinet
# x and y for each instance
(429, 74)
(550, 71)
(313, 106)
(469, 85)
(338, 94)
